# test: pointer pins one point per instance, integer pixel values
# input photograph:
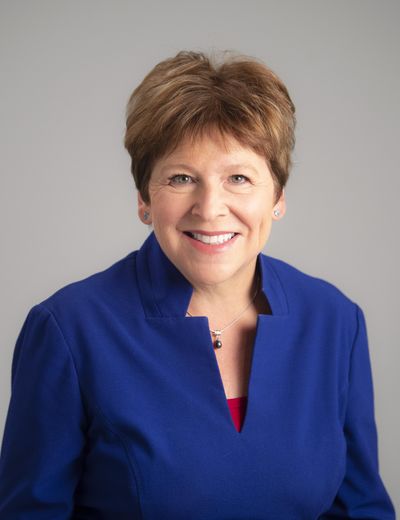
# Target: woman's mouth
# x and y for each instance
(211, 239)
(211, 243)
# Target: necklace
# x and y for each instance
(217, 333)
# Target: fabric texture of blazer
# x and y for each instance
(118, 410)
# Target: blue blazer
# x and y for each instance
(118, 409)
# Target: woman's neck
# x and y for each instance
(225, 299)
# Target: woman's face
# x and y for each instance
(211, 208)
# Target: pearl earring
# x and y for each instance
(277, 213)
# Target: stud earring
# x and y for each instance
(146, 215)
(277, 213)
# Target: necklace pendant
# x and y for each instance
(218, 342)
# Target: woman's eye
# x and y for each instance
(238, 179)
(181, 178)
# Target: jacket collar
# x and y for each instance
(165, 292)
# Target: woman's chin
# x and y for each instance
(213, 276)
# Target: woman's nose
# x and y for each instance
(210, 203)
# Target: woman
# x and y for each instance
(197, 378)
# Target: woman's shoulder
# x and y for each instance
(306, 289)
(110, 286)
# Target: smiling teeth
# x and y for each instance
(213, 239)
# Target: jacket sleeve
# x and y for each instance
(362, 494)
(43, 441)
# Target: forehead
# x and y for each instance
(223, 151)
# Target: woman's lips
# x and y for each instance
(211, 242)
(213, 239)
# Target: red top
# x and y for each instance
(237, 406)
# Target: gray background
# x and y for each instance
(68, 204)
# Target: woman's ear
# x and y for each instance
(143, 210)
(279, 209)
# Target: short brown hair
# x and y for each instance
(186, 95)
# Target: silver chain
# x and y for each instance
(217, 332)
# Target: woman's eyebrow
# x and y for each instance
(241, 166)
(176, 166)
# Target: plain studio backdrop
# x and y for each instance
(68, 203)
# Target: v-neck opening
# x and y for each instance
(221, 387)
(222, 392)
